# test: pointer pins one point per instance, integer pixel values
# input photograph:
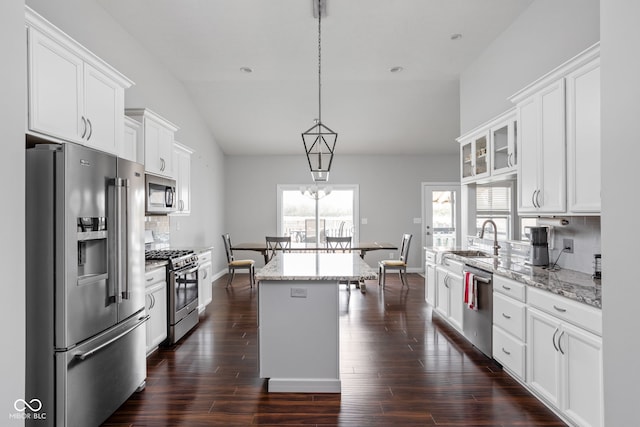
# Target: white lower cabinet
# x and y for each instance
(430, 284)
(156, 307)
(564, 360)
(205, 276)
(449, 294)
(509, 332)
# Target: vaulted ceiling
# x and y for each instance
(206, 43)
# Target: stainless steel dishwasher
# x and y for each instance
(478, 325)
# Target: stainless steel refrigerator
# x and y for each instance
(85, 284)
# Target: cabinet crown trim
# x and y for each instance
(484, 127)
(557, 73)
(34, 20)
(181, 146)
(147, 113)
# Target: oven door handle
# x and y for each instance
(191, 270)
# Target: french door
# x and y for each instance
(441, 214)
(310, 213)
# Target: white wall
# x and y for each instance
(545, 35)
(620, 129)
(12, 174)
(390, 194)
(158, 90)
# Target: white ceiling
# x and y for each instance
(204, 43)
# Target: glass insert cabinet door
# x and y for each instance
(311, 213)
(441, 215)
(475, 157)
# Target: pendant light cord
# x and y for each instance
(319, 61)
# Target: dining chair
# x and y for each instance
(396, 264)
(341, 244)
(338, 244)
(237, 264)
(277, 243)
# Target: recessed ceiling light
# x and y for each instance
(456, 36)
(247, 70)
(396, 69)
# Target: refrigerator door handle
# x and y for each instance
(120, 272)
(124, 243)
(87, 354)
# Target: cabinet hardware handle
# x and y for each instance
(84, 123)
(538, 198)
(560, 343)
(560, 309)
(553, 340)
(533, 196)
(161, 164)
(446, 281)
(506, 288)
(506, 316)
(90, 129)
(150, 279)
(508, 353)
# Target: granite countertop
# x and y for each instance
(571, 284)
(316, 266)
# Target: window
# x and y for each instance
(495, 202)
(310, 213)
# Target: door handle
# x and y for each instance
(85, 355)
(560, 343)
(90, 129)
(553, 339)
(84, 131)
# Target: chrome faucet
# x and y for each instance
(496, 246)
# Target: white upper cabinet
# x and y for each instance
(474, 156)
(558, 140)
(130, 142)
(157, 141)
(72, 94)
(182, 172)
(541, 179)
(489, 150)
(504, 153)
(583, 139)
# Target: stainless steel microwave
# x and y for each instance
(160, 195)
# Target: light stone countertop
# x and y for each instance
(316, 266)
(571, 284)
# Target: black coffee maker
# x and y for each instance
(539, 245)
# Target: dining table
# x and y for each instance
(362, 247)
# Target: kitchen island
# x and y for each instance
(298, 325)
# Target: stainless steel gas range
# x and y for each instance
(182, 290)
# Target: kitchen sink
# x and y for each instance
(470, 253)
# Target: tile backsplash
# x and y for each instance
(160, 228)
(585, 232)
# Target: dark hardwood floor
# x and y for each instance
(400, 365)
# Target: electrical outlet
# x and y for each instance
(567, 244)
